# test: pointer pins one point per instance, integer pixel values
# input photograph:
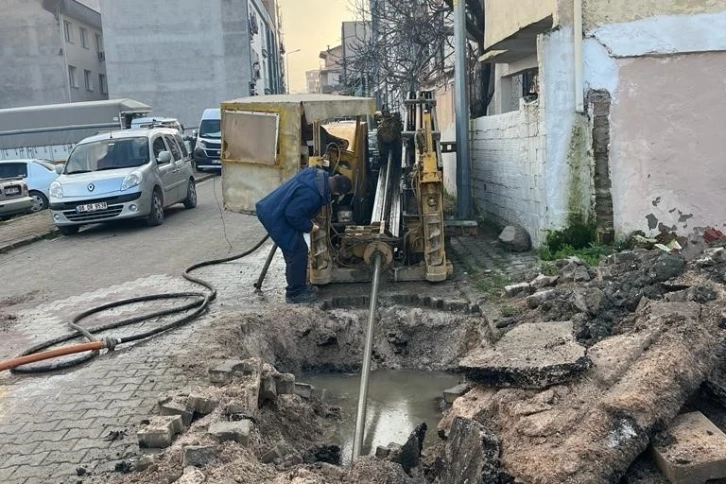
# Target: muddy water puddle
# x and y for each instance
(398, 401)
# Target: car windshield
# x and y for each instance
(108, 155)
(210, 128)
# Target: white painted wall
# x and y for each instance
(508, 168)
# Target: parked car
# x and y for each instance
(37, 174)
(208, 146)
(123, 175)
(14, 198)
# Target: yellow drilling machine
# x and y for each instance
(392, 222)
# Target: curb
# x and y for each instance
(52, 232)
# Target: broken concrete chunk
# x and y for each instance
(278, 453)
(716, 385)
(517, 289)
(536, 299)
(198, 455)
(471, 454)
(694, 453)
(200, 404)
(409, 454)
(453, 393)
(588, 300)
(232, 431)
(285, 383)
(533, 355)
(542, 281)
(303, 390)
(612, 357)
(515, 238)
(176, 406)
(191, 475)
(268, 390)
(158, 432)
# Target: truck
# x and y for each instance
(49, 132)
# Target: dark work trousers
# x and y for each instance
(297, 267)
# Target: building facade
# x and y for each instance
(331, 71)
(184, 56)
(608, 120)
(312, 79)
(51, 52)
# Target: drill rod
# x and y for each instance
(263, 274)
(360, 422)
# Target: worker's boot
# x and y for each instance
(305, 297)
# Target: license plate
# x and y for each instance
(92, 207)
(12, 191)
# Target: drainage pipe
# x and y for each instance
(360, 422)
(579, 66)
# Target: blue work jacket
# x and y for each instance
(290, 208)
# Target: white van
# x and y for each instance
(208, 147)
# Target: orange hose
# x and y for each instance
(47, 355)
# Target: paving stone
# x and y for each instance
(532, 355)
(303, 390)
(176, 406)
(159, 432)
(201, 404)
(693, 451)
(232, 431)
(517, 289)
(268, 389)
(225, 372)
(198, 455)
(285, 383)
(455, 392)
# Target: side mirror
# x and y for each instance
(59, 168)
(164, 157)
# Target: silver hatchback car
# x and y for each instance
(122, 175)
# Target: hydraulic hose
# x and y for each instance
(200, 301)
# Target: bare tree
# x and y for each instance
(411, 47)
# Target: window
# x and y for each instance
(182, 145)
(89, 80)
(72, 76)
(69, 31)
(175, 151)
(102, 84)
(84, 37)
(159, 146)
(13, 170)
(99, 43)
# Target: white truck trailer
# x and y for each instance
(49, 132)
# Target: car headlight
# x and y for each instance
(132, 180)
(56, 190)
(202, 143)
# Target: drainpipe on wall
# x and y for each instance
(65, 56)
(579, 89)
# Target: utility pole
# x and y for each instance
(461, 91)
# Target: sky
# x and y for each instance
(311, 26)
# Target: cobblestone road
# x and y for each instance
(52, 425)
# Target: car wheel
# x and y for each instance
(40, 202)
(191, 200)
(156, 215)
(69, 229)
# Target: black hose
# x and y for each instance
(197, 306)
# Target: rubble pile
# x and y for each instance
(589, 382)
(648, 331)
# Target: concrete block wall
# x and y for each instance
(508, 157)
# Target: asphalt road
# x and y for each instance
(104, 255)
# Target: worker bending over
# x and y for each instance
(287, 214)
